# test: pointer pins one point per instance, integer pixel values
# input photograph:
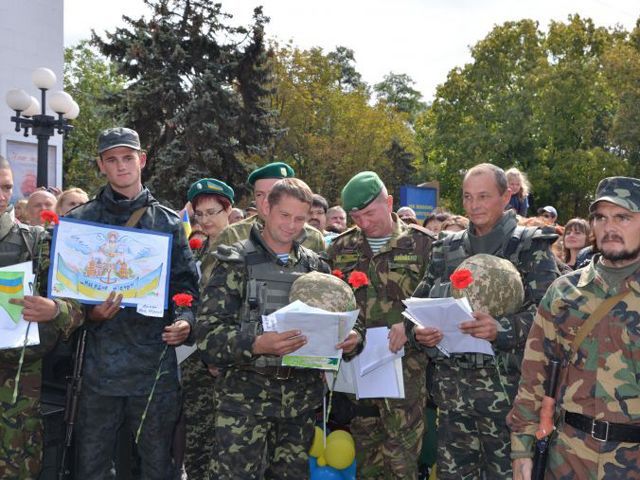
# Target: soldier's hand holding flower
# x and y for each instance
(350, 343)
(484, 326)
(428, 336)
(176, 333)
(36, 308)
(397, 337)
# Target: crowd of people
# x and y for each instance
(230, 410)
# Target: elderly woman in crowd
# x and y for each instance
(70, 199)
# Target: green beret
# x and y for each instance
(361, 190)
(271, 170)
(211, 186)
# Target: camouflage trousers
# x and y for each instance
(388, 446)
(199, 415)
(21, 434)
(99, 419)
(575, 455)
(473, 438)
(258, 447)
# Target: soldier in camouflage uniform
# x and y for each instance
(474, 392)
(264, 412)
(124, 347)
(394, 257)
(261, 180)
(599, 391)
(21, 432)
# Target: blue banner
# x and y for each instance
(423, 200)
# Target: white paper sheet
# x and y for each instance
(12, 333)
(376, 352)
(446, 314)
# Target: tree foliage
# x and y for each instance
(332, 132)
(559, 105)
(90, 80)
(196, 93)
(396, 90)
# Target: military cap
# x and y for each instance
(622, 191)
(212, 186)
(325, 291)
(118, 137)
(361, 190)
(271, 170)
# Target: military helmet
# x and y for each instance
(496, 287)
(325, 291)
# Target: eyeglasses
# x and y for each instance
(208, 213)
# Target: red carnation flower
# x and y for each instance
(461, 279)
(49, 217)
(338, 273)
(196, 243)
(182, 299)
(358, 279)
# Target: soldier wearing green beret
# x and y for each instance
(262, 180)
(588, 320)
(394, 256)
(212, 201)
(474, 391)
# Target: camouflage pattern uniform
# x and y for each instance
(122, 353)
(601, 378)
(263, 414)
(474, 392)
(21, 430)
(388, 446)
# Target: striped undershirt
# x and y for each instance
(283, 257)
(377, 243)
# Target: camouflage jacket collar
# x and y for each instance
(590, 274)
(256, 237)
(6, 223)
(117, 204)
(506, 224)
(398, 229)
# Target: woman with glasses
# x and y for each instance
(212, 202)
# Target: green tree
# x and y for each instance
(90, 80)
(196, 92)
(397, 91)
(344, 58)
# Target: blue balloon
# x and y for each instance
(326, 473)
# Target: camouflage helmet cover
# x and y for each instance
(325, 291)
(496, 288)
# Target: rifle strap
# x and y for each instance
(589, 324)
(135, 217)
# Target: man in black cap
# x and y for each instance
(124, 347)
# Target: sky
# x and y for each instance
(424, 39)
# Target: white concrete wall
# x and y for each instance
(31, 36)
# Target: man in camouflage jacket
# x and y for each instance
(124, 347)
(394, 257)
(21, 431)
(265, 412)
(599, 392)
(474, 392)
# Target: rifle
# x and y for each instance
(546, 427)
(71, 406)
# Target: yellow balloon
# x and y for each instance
(341, 434)
(317, 447)
(339, 453)
(322, 462)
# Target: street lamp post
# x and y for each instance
(31, 114)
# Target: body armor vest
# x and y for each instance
(267, 290)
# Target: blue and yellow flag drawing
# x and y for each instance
(186, 224)
(11, 286)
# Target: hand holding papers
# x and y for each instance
(446, 314)
(323, 331)
(375, 373)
